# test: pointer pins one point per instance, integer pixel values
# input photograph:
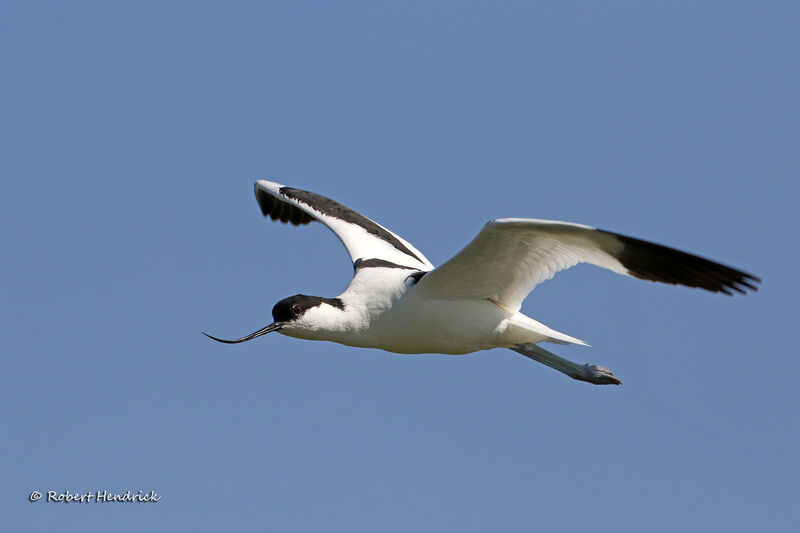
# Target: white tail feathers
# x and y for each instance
(542, 333)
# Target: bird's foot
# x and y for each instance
(599, 375)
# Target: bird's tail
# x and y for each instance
(538, 332)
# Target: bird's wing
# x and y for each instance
(368, 243)
(510, 256)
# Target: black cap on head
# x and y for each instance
(286, 311)
(294, 307)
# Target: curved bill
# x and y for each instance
(275, 326)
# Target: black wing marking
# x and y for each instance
(284, 211)
(378, 263)
(654, 262)
(326, 206)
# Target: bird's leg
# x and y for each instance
(589, 373)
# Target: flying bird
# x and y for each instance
(399, 302)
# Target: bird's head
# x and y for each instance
(293, 316)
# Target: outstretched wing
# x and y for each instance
(510, 256)
(364, 239)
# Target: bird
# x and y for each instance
(399, 302)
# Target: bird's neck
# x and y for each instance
(371, 293)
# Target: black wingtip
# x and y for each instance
(654, 262)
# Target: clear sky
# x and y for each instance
(131, 134)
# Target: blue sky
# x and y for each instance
(131, 136)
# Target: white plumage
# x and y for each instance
(510, 256)
(397, 301)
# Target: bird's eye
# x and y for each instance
(296, 309)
